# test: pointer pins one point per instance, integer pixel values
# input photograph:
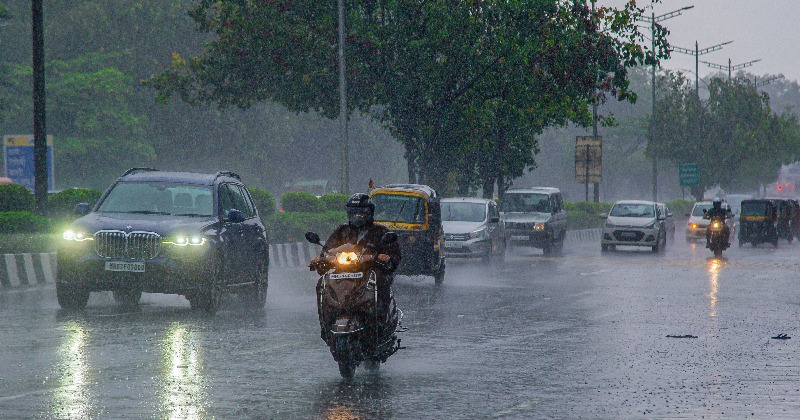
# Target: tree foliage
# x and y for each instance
(465, 86)
(734, 136)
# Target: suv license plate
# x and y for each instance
(628, 235)
(133, 267)
(451, 244)
(520, 238)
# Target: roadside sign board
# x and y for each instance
(18, 153)
(689, 174)
(588, 159)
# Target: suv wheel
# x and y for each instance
(71, 297)
(210, 297)
(256, 295)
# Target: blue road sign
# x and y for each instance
(18, 152)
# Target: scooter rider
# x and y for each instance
(360, 229)
(716, 210)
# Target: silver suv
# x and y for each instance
(535, 217)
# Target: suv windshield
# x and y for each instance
(463, 212)
(698, 209)
(525, 203)
(632, 210)
(399, 208)
(159, 198)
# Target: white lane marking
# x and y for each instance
(595, 272)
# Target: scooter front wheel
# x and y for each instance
(347, 367)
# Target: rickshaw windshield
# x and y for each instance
(399, 208)
(755, 208)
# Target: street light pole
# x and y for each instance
(730, 67)
(653, 20)
(39, 109)
(343, 107)
(697, 52)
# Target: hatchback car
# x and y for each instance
(197, 235)
(472, 228)
(634, 223)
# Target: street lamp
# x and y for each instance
(730, 67)
(697, 52)
(653, 20)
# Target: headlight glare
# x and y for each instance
(538, 226)
(76, 235)
(184, 240)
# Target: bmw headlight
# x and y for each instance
(186, 240)
(77, 235)
(480, 233)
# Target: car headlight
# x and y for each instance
(480, 233)
(539, 226)
(77, 235)
(186, 240)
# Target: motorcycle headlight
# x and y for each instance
(716, 225)
(346, 258)
(77, 235)
(186, 240)
(480, 233)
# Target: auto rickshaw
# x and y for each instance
(784, 218)
(413, 211)
(758, 222)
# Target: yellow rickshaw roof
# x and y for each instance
(400, 191)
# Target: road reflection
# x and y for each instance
(367, 396)
(714, 266)
(72, 398)
(183, 385)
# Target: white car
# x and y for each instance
(472, 228)
(634, 223)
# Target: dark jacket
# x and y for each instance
(347, 233)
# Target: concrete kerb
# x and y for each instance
(25, 270)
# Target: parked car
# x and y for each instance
(634, 223)
(472, 228)
(669, 220)
(535, 217)
(196, 235)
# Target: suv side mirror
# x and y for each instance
(235, 216)
(494, 219)
(603, 216)
(82, 209)
(688, 215)
(389, 238)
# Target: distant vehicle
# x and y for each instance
(758, 222)
(317, 187)
(634, 223)
(472, 228)
(414, 212)
(669, 220)
(696, 225)
(196, 235)
(535, 217)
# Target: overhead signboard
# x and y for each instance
(689, 174)
(588, 159)
(18, 152)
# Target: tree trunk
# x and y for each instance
(488, 185)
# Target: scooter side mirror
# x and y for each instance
(389, 238)
(313, 238)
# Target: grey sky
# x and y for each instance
(765, 29)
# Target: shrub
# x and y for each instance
(333, 202)
(585, 215)
(679, 208)
(15, 197)
(23, 221)
(292, 226)
(300, 201)
(265, 202)
(63, 203)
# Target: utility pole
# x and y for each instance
(730, 67)
(343, 107)
(596, 186)
(653, 20)
(697, 52)
(763, 82)
(39, 126)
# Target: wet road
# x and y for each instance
(580, 335)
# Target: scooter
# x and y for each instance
(717, 241)
(353, 326)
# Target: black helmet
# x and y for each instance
(717, 203)
(360, 210)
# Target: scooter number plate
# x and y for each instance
(339, 276)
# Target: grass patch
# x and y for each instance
(19, 243)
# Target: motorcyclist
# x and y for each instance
(360, 229)
(716, 211)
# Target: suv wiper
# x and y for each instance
(149, 212)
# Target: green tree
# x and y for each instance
(425, 66)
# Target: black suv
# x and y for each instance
(197, 235)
